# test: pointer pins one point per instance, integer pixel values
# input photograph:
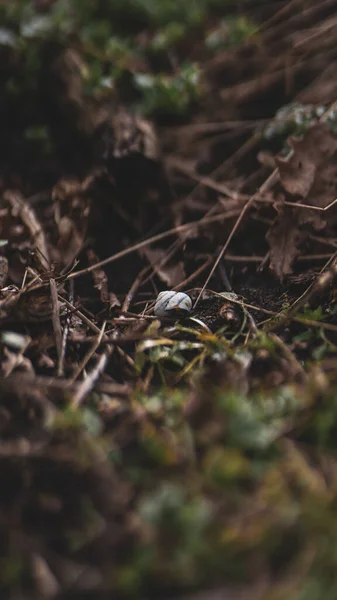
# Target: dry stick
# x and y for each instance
(203, 180)
(302, 320)
(209, 182)
(193, 275)
(280, 13)
(319, 285)
(175, 246)
(40, 381)
(151, 240)
(133, 289)
(66, 329)
(246, 89)
(317, 31)
(12, 299)
(88, 384)
(324, 278)
(311, 207)
(258, 259)
(215, 185)
(246, 147)
(262, 189)
(289, 355)
(28, 217)
(80, 315)
(88, 355)
(195, 129)
(56, 324)
(321, 240)
(305, 13)
(171, 251)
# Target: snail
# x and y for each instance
(172, 304)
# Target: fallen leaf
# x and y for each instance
(309, 177)
(170, 274)
(311, 171)
(284, 239)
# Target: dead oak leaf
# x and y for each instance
(284, 238)
(311, 171)
(169, 273)
(309, 176)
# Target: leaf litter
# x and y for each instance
(143, 457)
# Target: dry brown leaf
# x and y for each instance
(284, 238)
(125, 134)
(170, 274)
(71, 216)
(100, 278)
(3, 271)
(309, 176)
(311, 171)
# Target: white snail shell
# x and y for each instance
(172, 304)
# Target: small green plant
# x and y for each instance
(170, 94)
(167, 37)
(296, 118)
(230, 32)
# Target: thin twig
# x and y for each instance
(193, 275)
(28, 217)
(88, 355)
(272, 313)
(134, 287)
(66, 329)
(88, 384)
(80, 315)
(203, 180)
(262, 190)
(56, 324)
(257, 259)
(151, 240)
(328, 273)
(289, 355)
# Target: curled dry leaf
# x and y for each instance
(3, 271)
(170, 273)
(71, 216)
(309, 176)
(100, 278)
(65, 84)
(311, 171)
(21, 208)
(124, 134)
(284, 238)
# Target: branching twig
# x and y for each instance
(88, 355)
(56, 324)
(88, 384)
(262, 190)
(28, 217)
(151, 240)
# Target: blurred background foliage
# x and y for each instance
(148, 41)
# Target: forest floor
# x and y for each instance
(180, 147)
